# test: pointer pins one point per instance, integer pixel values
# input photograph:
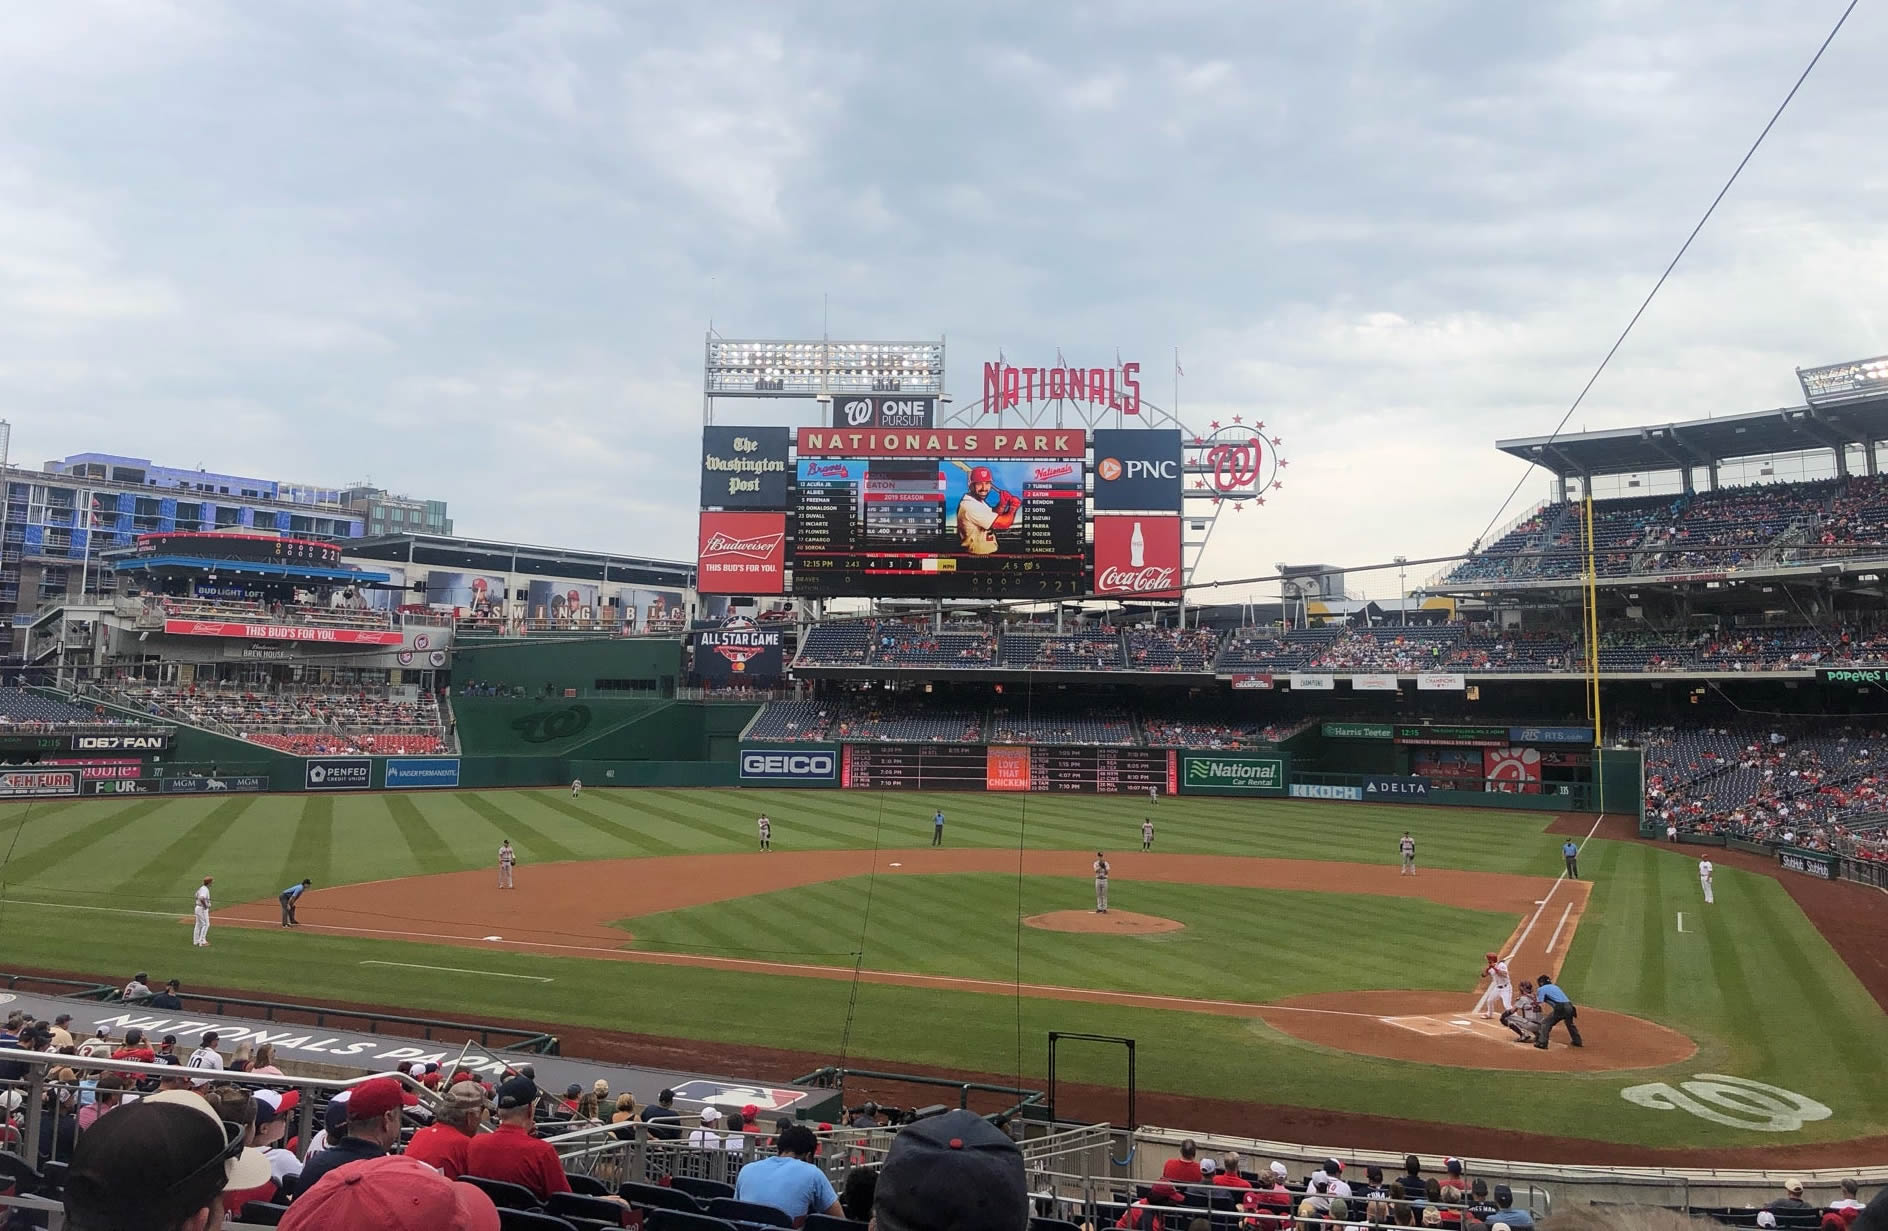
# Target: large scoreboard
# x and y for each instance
(998, 767)
(938, 513)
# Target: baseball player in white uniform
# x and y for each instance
(766, 828)
(1500, 987)
(1704, 879)
(1101, 883)
(1147, 833)
(576, 787)
(200, 937)
(506, 857)
(1407, 845)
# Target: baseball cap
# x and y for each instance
(710, 1116)
(376, 1097)
(1278, 1169)
(1502, 1190)
(1208, 1166)
(246, 1168)
(394, 1193)
(150, 1163)
(516, 1092)
(1452, 1165)
(270, 1104)
(1766, 1219)
(1164, 1194)
(1793, 1186)
(953, 1172)
(573, 1090)
(750, 1112)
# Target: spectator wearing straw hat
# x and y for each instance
(444, 1144)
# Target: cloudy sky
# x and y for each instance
(470, 249)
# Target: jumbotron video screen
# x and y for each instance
(946, 514)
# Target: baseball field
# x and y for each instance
(1280, 976)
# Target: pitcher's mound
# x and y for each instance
(1114, 923)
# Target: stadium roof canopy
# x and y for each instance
(1705, 442)
(488, 556)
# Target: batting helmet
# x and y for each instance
(981, 474)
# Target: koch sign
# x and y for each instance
(1137, 472)
(865, 410)
(789, 765)
(339, 774)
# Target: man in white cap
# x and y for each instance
(705, 1138)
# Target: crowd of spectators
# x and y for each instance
(300, 721)
(343, 609)
(21, 710)
(1710, 531)
(1816, 785)
(1173, 732)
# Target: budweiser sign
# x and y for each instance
(1137, 555)
(742, 553)
(758, 548)
(282, 632)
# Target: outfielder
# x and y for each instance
(506, 857)
(765, 828)
(1147, 833)
(977, 522)
(1408, 846)
(1500, 987)
(200, 937)
(1153, 794)
(576, 787)
(1101, 883)
(1704, 879)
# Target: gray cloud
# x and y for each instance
(471, 249)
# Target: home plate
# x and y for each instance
(491, 938)
(1431, 1026)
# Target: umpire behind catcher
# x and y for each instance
(1556, 1006)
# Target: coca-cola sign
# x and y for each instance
(742, 553)
(1137, 555)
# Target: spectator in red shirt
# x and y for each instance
(1186, 1168)
(392, 1194)
(1228, 1174)
(1140, 1217)
(511, 1153)
(443, 1144)
(135, 1048)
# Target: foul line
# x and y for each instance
(1681, 921)
(460, 970)
(1514, 946)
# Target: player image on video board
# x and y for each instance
(880, 522)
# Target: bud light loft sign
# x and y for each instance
(1137, 471)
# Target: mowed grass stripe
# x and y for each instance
(311, 850)
(643, 842)
(166, 878)
(529, 841)
(429, 850)
(1655, 972)
(690, 823)
(54, 854)
(1801, 997)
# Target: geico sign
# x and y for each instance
(788, 765)
(1136, 468)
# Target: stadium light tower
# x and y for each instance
(1402, 590)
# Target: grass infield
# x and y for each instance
(1749, 979)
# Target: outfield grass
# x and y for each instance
(1750, 979)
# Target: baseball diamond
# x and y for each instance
(1305, 970)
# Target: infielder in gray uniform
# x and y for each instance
(1101, 883)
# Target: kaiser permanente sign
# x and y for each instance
(1231, 774)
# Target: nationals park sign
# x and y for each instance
(1231, 775)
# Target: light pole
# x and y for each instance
(1402, 591)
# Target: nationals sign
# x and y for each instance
(742, 553)
(282, 632)
(1137, 556)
